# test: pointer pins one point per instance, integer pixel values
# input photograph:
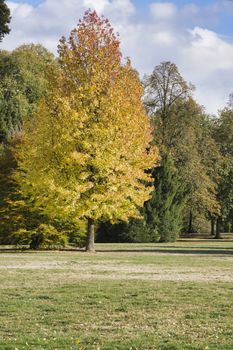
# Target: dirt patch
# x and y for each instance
(102, 270)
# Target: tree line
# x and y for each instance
(88, 150)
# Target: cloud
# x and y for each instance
(97, 5)
(163, 10)
(178, 34)
(163, 38)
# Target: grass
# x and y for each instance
(146, 297)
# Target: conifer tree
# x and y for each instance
(164, 211)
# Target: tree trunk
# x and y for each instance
(218, 233)
(190, 225)
(90, 246)
(212, 226)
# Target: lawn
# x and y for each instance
(139, 296)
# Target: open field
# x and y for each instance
(139, 296)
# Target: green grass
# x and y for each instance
(123, 297)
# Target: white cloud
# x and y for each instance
(98, 5)
(177, 34)
(163, 10)
(207, 49)
(163, 38)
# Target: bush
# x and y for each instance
(44, 236)
(135, 231)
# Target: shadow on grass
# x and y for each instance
(163, 249)
(201, 251)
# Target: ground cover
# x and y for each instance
(141, 296)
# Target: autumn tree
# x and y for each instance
(85, 152)
(4, 19)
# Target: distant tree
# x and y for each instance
(197, 157)
(163, 88)
(181, 128)
(4, 19)
(224, 137)
(85, 152)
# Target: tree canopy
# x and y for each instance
(85, 153)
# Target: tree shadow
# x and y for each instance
(211, 251)
(166, 250)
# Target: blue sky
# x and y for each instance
(196, 35)
(222, 24)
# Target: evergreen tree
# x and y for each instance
(164, 211)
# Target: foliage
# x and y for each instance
(182, 128)
(139, 231)
(23, 82)
(133, 231)
(9, 216)
(164, 211)
(75, 231)
(198, 159)
(45, 236)
(4, 19)
(20, 220)
(162, 214)
(163, 88)
(85, 152)
(223, 134)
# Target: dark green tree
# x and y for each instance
(165, 210)
(4, 19)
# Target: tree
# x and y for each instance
(223, 134)
(197, 157)
(182, 128)
(85, 152)
(4, 19)
(163, 88)
(164, 211)
(23, 82)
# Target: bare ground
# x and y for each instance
(57, 267)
